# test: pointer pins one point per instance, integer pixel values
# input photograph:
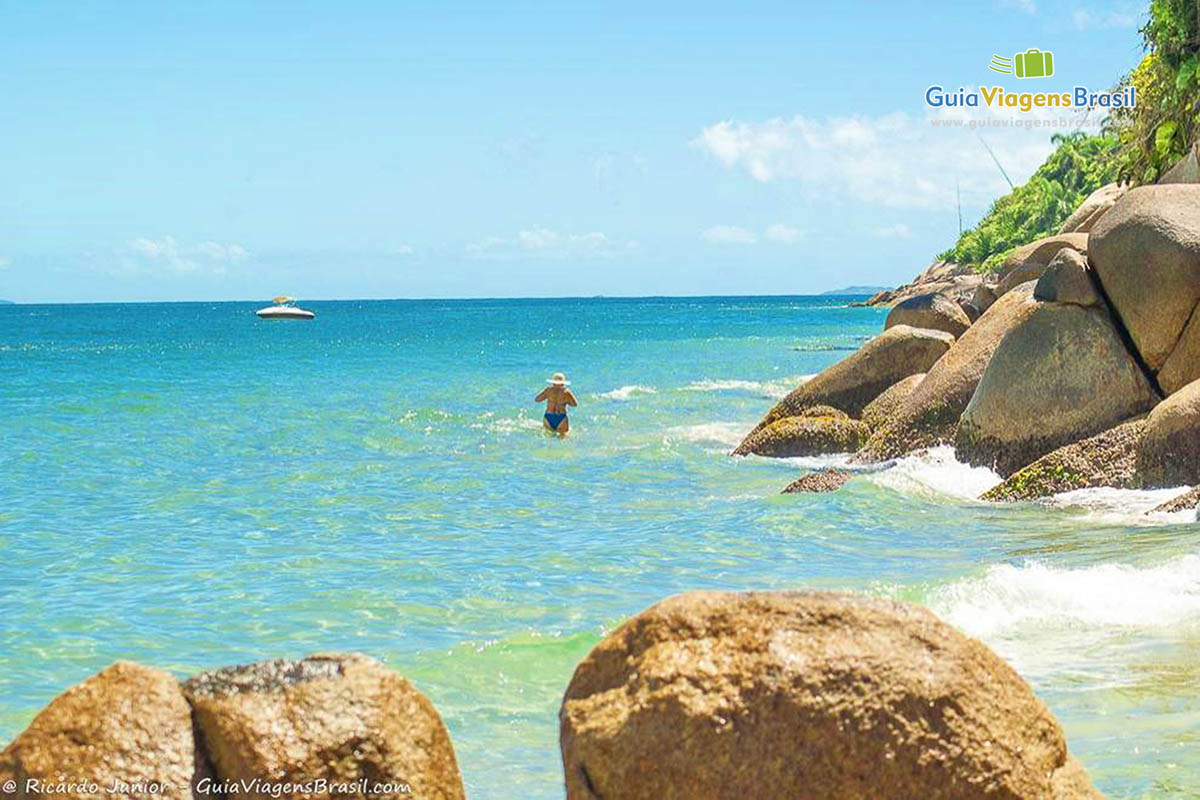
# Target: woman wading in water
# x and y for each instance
(557, 397)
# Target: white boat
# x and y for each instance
(284, 308)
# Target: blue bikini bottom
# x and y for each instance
(554, 420)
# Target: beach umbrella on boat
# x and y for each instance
(282, 309)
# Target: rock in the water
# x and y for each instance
(1027, 263)
(1062, 375)
(1184, 502)
(1068, 280)
(336, 717)
(930, 415)
(1146, 252)
(1107, 459)
(856, 380)
(791, 437)
(805, 695)
(826, 480)
(931, 311)
(883, 408)
(1093, 208)
(127, 726)
(1186, 169)
(1169, 452)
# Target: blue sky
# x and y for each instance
(226, 150)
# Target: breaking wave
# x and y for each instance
(773, 389)
(1010, 597)
(627, 392)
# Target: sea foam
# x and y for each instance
(1008, 598)
(936, 472)
(729, 434)
(775, 390)
(626, 393)
(1124, 506)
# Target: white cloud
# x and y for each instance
(897, 160)
(735, 234)
(540, 242)
(729, 234)
(4, 262)
(897, 231)
(221, 252)
(402, 250)
(784, 234)
(1087, 19)
(206, 256)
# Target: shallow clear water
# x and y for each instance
(187, 486)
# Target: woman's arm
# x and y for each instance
(541, 396)
(570, 398)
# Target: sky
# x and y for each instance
(239, 150)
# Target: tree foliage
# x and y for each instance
(1079, 165)
(1165, 123)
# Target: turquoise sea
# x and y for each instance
(188, 486)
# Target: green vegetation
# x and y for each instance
(1078, 166)
(1040, 479)
(1166, 120)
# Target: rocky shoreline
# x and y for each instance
(1076, 365)
(759, 694)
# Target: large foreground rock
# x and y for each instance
(856, 380)
(336, 717)
(1061, 375)
(1169, 452)
(806, 435)
(931, 311)
(1108, 459)
(1146, 251)
(930, 414)
(1093, 208)
(805, 695)
(1027, 263)
(128, 724)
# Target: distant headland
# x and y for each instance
(849, 290)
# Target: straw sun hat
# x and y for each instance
(558, 379)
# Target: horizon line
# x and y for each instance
(827, 293)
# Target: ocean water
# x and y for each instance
(188, 486)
